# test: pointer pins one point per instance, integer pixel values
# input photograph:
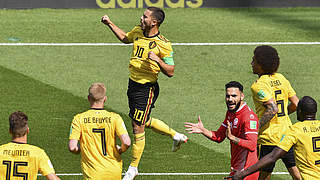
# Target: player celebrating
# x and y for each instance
(240, 127)
(19, 160)
(151, 54)
(304, 136)
(271, 93)
(97, 130)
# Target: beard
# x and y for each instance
(236, 108)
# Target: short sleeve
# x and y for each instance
(251, 123)
(130, 35)
(261, 92)
(288, 139)
(45, 166)
(166, 53)
(120, 126)
(75, 129)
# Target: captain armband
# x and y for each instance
(168, 60)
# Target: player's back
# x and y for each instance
(306, 138)
(18, 160)
(99, 129)
(274, 86)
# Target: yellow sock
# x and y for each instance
(137, 149)
(160, 127)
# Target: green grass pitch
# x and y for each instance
(50, 83)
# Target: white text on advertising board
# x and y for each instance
(148, 3)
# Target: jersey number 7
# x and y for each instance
(103, 139)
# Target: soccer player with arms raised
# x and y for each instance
(271, 93)
(19, 160)
(304, 137)
(240, 127)
(151, 54)
(97, 129)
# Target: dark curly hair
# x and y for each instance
(267, 57)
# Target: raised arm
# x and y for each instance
(166, 69)
(217, 136)
(292, 107)
(270, 112)
(120, 34)
(125, 143)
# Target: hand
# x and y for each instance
(105, 19)
(228, 132)
(231, 137)
(194, 128)
(153, 56)
(236, 176)
(119, 149)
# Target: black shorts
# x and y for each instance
(141, 99)
(287, 159)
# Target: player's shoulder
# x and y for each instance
(137, 29)
(163, 39)
(248, 113)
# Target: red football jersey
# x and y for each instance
(244, 125)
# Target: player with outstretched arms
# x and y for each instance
(151, 53)
(271, 94)
(240, 127)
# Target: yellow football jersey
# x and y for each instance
(305, 138)
(23, 161)
(96, 129)
(142, 69)
(274, 86)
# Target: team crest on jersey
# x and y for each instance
(251, 116)
(152, 44)
(235, 122)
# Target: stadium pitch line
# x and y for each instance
(174, 44)
(168, 174)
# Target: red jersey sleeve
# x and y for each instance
(250, 131)
(220, 134)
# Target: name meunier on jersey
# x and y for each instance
(142, 69)
(15, 152)
(97, 120)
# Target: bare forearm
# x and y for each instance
(120, 34)
(270, 112)
(207, 133)
(293, 105)
(166, 69)
(265, 161)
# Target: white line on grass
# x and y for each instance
(175, 44)
(169, 174)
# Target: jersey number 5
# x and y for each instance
(279, 103)
(15, 173)
(102, 132)
(316, 146)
